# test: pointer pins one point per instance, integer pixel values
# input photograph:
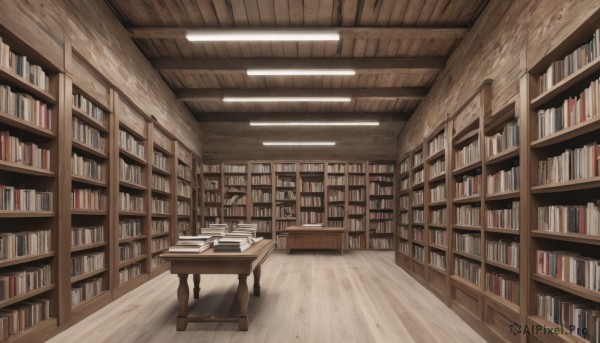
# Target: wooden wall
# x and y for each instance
(91, 29)
(507, 39)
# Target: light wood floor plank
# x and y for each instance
(361, 296)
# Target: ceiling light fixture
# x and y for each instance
(286, 99)
(314, 123)
(300, 72)
(298, 143)
(248, 35)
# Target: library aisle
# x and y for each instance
(306, 297)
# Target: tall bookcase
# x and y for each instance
(336, 200)
(560, 99)
(261, 188)
(184, 190)
(34, 176)
(198, 194)
(311, 202)
(357, 205)
(212, 187)
(286, 197)
(381, 205)
(403, 235)
(417, 212)
(235, 193)
(89, 122)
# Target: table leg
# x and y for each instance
(242, 297)
(183, 294)
(257, 281)
(196, 286)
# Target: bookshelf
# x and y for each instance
(286, 197)
(560, 98)
(404, 236)
(38, 133)
(381, 205)
(312, 193)
(357, 205)
(336, 200)
(183, 205)
(418, 246)
(132, 226)
(261, 188)
(90, 223)
(162, 188)
(198, 194)
(212, 187)
(235, 193)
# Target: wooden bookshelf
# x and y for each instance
(261, 197)
(381, 205)
(236, 195)
(212, 185)
(357, 204)
(403, 234)
(183, 190)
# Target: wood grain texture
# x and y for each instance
(307, 297)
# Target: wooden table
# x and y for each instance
(210, 262)
(315, 237)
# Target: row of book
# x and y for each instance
(506, 218)
(503, 251)
(380, 243)
(418, 234)
(335, 195)
(130, 203)
(311, 217)
(211, 184)
(81, 264)
(404, 184)
(501, 141)
(25, 107)
(20, 65)
(469, 186)
(160, 161)
(25, 243)
(261, 212)
(85, 290)
(19, 282)
(437, 168)
(504, 181)
(130, 272)
(381, 227)
(234, 211)
(470, 153)
(404, 218)
(335, 211)
(403, 233)
(285, 167)
(184, 172)
(437, 259)
(438, 192)
(129, 143)
(417, 198)
(356, 180)
(468, 270)
(88, 199)
(184, 189)
(404, 247)
(212, 197)
(130, 250)
(17, 318)
(418, 216)
(157, 261)
(437, 144)
(468, 215)
(404, 166)
(573, 111)
(575, 315)
(381, 168)
(581, 219)
(87, 135)
(260, 168)
(16, 199)
(130, 228)
(381, 204)
(161, 183)
(184, 208)
(87, 235)
(403, 202)
(88, 107)
(235, 180)
(212, 211)
(570, 267)
(355, 224)
(234, 168)
(312, 186)
(260, 180)
(262, 225)
(159, 226)
(183, 226)
(212, 168)
(572, 164)
(438, 217)
(236, 199)
(419, 253)
(570, 64)
(130, 172)
(438, 237)
(87, 167)
(286, 181)
(419, 177)
(469, 243)
(417, 158)
(336, 168)
(506, 286)
(357, 194)
(311, 201)
(13, 149)
(334, 180)
(379, 189)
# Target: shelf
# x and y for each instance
(161, 215)
(186, 197)
(439, 226)
(188, 216)
(437, 203)
(421, 243)
(81, 146)
(572, 185)
(160, 171)
(417, 261)
(132, 239)
(507, 154)
(416, 223)
(467, 227)
(88, 181)
(436, 155)
(418, 166)
(132, 213)
(467, 255)
(503, 302)
(263, 186)
(570, 237)
(466, 283)
(568, 133)
(23, 169)
(503, 196)
(77, 212)
(161, 192)
(160, 251)
(568, 287)
(124, 264)
(412, 206)
(212, 190)
(438, 247)
(24, 259)
(88, 120)
(286, 219)
(504, 231)
(132, 185)
(87, 275)
(403, 175)
(466, 200)
(418, 185)
(86, 302)
(26, 214)
(88, 246)
(19, 298)
(21, 124)
(133, 157)
(381, 195)
(566, 83)
(502, 266)
(437, 178)
(262, 203)
(160, 234)
(467, 168)
(18, 81)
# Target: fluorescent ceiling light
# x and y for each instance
(314, 123)
(233, 35)
(300, 72)
(298, 143)
(286, 99)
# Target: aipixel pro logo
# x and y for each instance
(538, 329)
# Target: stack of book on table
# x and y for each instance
(234, 244)
(192, 244)
(248, 229)
(214, 230)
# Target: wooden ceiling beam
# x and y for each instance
(397, 33)
(401, 93)
(236, 117)
(361, 65)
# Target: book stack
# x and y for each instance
(246, 229)
(192, 244)
(232, 244)
(214, 230)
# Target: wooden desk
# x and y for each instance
(315, 237)
(209, 262)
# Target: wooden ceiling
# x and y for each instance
(397, 47)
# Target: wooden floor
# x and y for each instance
(361, 296)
